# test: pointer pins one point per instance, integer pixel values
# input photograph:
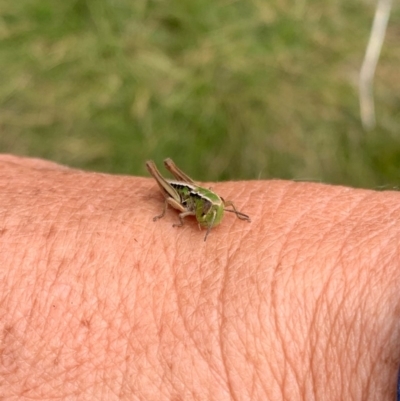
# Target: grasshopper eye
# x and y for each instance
(206, 207)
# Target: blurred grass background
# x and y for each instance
(228, 89)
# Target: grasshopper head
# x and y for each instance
(209, 214)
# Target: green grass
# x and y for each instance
(228, 89)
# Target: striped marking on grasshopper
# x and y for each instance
(190, 199)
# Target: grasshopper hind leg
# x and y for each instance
(178, 206)
(173, 203)
(155, 218)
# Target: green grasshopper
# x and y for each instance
(190, 199)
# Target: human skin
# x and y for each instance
(98, 302)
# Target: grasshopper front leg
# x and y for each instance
(239, 215)
(210, 225)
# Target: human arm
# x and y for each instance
(97, 301)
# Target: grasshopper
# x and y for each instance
(191, 199)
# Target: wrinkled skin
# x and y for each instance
(98, 302)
